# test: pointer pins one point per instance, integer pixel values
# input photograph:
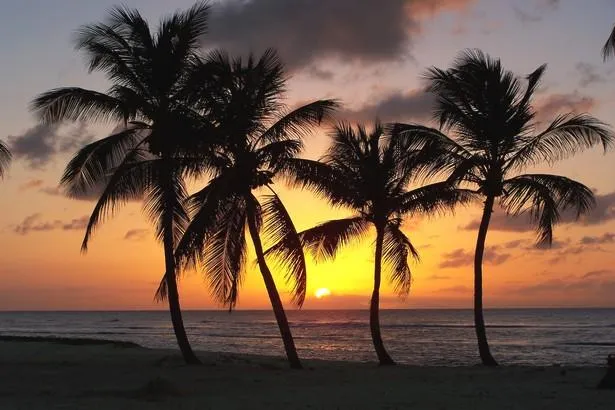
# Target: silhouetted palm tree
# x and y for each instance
(369, 172)
(5, 159)
(608, 50)
(148, 158)
(258, 134)
(489, 113)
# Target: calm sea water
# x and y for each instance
(422, 337)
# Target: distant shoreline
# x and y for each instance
(575, 308)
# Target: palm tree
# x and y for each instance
(489, 112)
(149, 157)
(258, 134)
(608, 50)
(369, 173)
(5, 159)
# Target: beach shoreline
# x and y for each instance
(41, 374)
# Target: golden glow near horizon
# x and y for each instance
(322, 292)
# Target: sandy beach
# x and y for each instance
(69, 375)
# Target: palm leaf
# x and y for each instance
(78, 104)
(567, 135)
(608, 50)
(396, 250)
(544, 197)
(324, 241)
(279, 229)
(437, 198)
(5, 159)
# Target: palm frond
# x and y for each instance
(224, 255)
(324, 241)
(92, 166)
(5, 159)
(544, 197)
(319, 177)
(567, 135)
(78, 104)
(301, 121)
(437, 198)
(608, 50)
(164, 200)
(129, 181)
(396, 250)
(279, 229)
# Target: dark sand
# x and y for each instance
(39, 374)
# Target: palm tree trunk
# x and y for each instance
(274, 297)
(479, 320)
(374, 308)
(172, 293)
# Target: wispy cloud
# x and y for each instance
(35, 223)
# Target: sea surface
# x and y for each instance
(581, 337)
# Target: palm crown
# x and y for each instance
(494, 123)
(258, 136)
(369, 172)
(149, 75)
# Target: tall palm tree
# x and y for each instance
(608, 50)
(5, 159)
(369, 173)
(148, 158)
(489, 112)
(258, 134)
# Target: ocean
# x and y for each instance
(579, 337)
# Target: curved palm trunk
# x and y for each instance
(274, 297)
(479, 321)
(374, 308)
(172, 292)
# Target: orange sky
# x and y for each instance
(40, 233)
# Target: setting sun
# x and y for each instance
(322, 292)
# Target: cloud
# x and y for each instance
(598, 240)
(604, 211)
(588, 74)
(31, 184)
(92, 195)
(461, 257)
(136, 234)
(456, 289)
(438, 277)
(597, 273)
(305, 31)
(415, 105)
(33, 223)
(37, 146)
(551, 106)
(538, 12)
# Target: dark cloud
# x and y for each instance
(598, 240)
(31, 184)
(589, 74)
(305, 31)
(33, 223)
(551, 106)
(415, 105)
(597, 285)
(537, 11)
(604, 211)
(320, 73)
(136, 234)
(38, 145)
(461, 257)
(92, 195)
